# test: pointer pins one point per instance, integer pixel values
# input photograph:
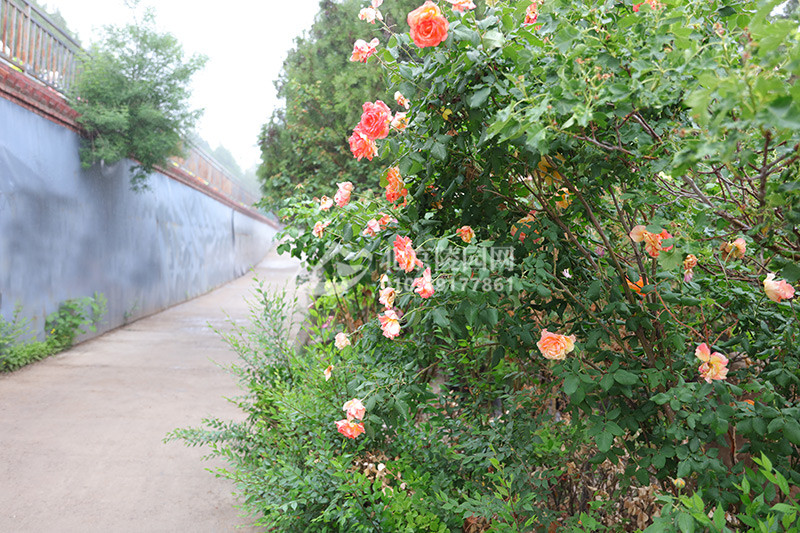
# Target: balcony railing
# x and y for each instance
(34, 44)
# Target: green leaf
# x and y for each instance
(792, 431)
(439, 151)
(623, 377)
(571, 383)
(604, 441)
(440, 317)
(493, 39)
(670, 260)
(478, 98)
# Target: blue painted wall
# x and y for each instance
(66, 232)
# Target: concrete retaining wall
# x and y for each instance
(66, 232)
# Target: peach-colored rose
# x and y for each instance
(563, 198)
(428, 26)
(370, 14)
(385, 220)
(466, 233)
(372, 229)
(655, 5)
(652, 241)
(733, 250)
(405, 254)
(319, 228)
(349, 428)
(354, 409)
(328, 372)
(375, 120)
(390, 324)
(401, 100)
(522, 226)
(555, 346)
(400, 121)
(387, 296)
(395, 188)
(777, 290)
(462, 5)
(637, 233)
(342, 196)
(424, 284)
(362, 146)
(688, 267)
(325, 203)
(342, 340)
(532, 13)
(714, 365)
(362, 50)
(635, 287)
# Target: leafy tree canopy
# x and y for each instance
(305, 144)
(133, 97)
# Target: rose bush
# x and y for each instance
(621, 312)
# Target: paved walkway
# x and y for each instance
(81, 433)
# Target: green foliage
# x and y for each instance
(766, 503)
(132, 96)
(305, 144)
(74, 317)
(559, 143)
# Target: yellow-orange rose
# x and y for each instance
(428, 26)
(555, 346)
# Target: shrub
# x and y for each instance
(74, 317)
(132, 96)
(590, 224)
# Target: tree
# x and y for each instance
(306, 142)
(133, 98)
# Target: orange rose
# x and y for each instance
(554, 346)
(428, 26)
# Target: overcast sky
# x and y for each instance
(246, 42)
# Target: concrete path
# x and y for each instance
(81, 433)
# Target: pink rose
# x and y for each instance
(342, 196)
(372, 229)
(361, 145)
(531, 13)
(401, 100)
(354, 409)
(350, 428)
(462, 5)
(375, 120)
(734, 250)
(342, 340)
(466, 233)
(405, 254)
(777, 290)
(319, 228)
(400, 122)
(385, 220)
(715, 365)
(390, 324)
(424, 284)
(325, 203)
(395, 188)
(688, 265)
(362, 50)
(428, 26)
(387, 296)
(555, 346)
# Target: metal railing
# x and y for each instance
(32, 42)
(206, 170)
